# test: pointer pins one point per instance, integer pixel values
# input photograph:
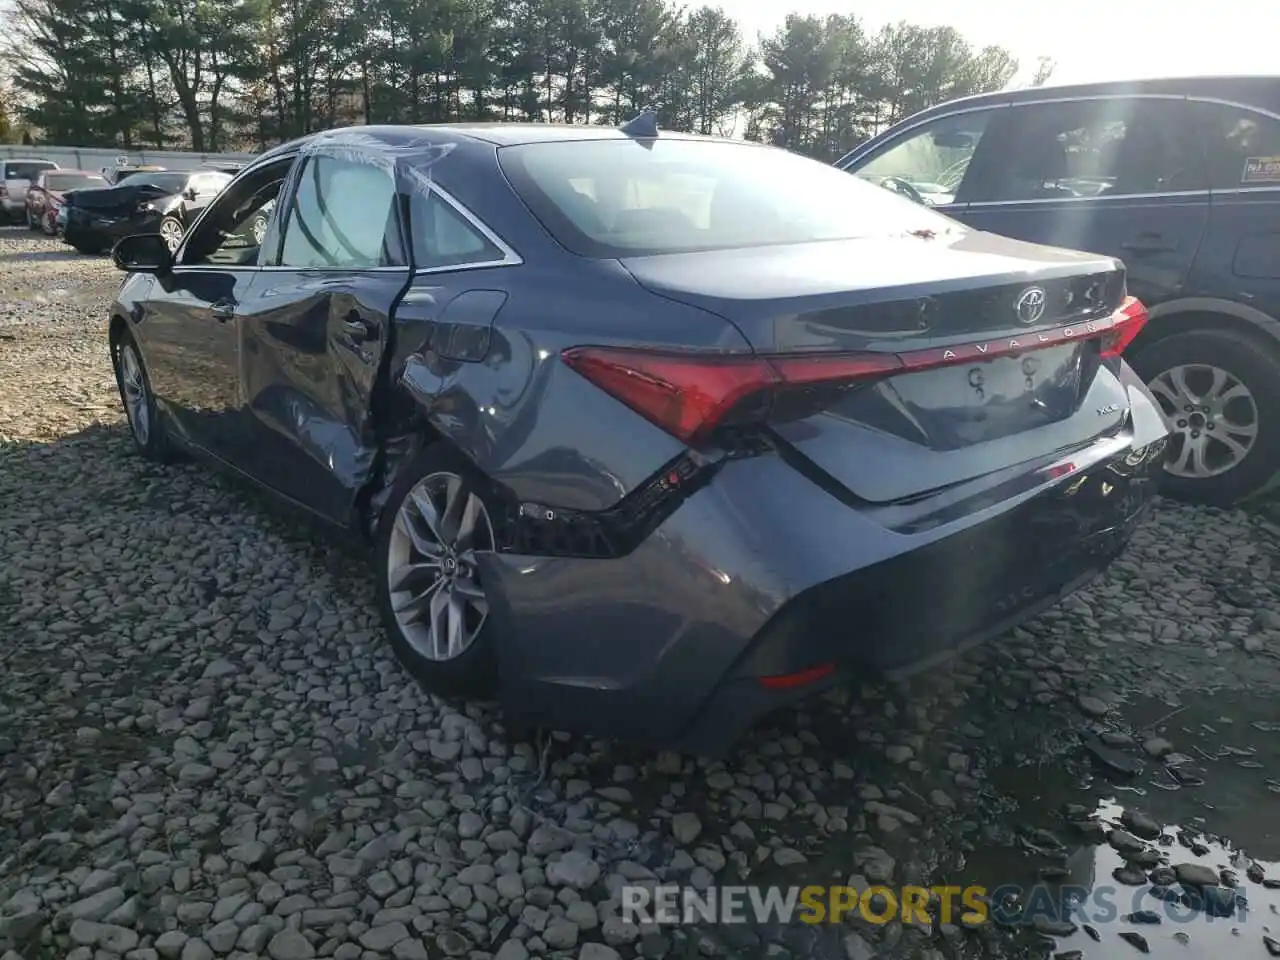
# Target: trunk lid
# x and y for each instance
(1022, 389)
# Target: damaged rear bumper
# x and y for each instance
(762, 589)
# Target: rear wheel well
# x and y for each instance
(1161, 328)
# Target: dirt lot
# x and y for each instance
(206, 750)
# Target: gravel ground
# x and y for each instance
(206, 749)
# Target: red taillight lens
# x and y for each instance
(689, 394)
(684, 394)
(1127, 323)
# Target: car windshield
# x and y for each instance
(619, 198)
(72, 181)
(165, 181)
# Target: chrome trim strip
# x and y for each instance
(1110, 196)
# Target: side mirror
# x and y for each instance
(190, 193)
(142, 253)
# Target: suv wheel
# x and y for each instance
(1220, 394)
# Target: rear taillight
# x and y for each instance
(690, 394)
(1128, 322)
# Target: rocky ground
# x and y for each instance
(206, 749)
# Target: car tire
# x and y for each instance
(171, 231)
(402, 530)
(33, 223)
(1180, 372)
(145, 426)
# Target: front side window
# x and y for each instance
(622, 197)
(342, 215)
(1090, 148)
(1242, 147)
(232, 232)
(928, 164)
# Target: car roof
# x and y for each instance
(496, 133)
(1251, 90)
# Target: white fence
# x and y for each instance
(93, 158)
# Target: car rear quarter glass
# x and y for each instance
(625, 198)
(1242, 146)
(442, 237)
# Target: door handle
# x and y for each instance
(357, 328)
(1149, 243)
(223, 310)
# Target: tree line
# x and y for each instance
(217, 75)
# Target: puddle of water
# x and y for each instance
(1208, 814)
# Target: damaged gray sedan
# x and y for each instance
(648, 434)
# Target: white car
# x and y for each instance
(18, 175)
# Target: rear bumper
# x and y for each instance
(763, 575)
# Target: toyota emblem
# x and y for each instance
(1030, 305)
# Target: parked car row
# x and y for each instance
(1180, 179)
(164, 202)
(91, 211)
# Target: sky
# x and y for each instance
(1098, 40)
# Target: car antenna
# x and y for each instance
(644, 126)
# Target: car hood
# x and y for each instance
(118, 198)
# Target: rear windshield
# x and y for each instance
(27, 170)
(621, 198)
(72, 181)
(165, 181)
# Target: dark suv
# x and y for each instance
(1178, 178)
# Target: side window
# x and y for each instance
(932, 160)
(207, 184)
(1091, 148)
(342, 215)
(442, 237)
(1242, 148)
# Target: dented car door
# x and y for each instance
(317, 328)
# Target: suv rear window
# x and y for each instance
(27, 170)
(627, 198)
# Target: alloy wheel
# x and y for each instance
(171, 234)
(432, 571)
(1212, 416)
(259, 230)
(137, 403)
